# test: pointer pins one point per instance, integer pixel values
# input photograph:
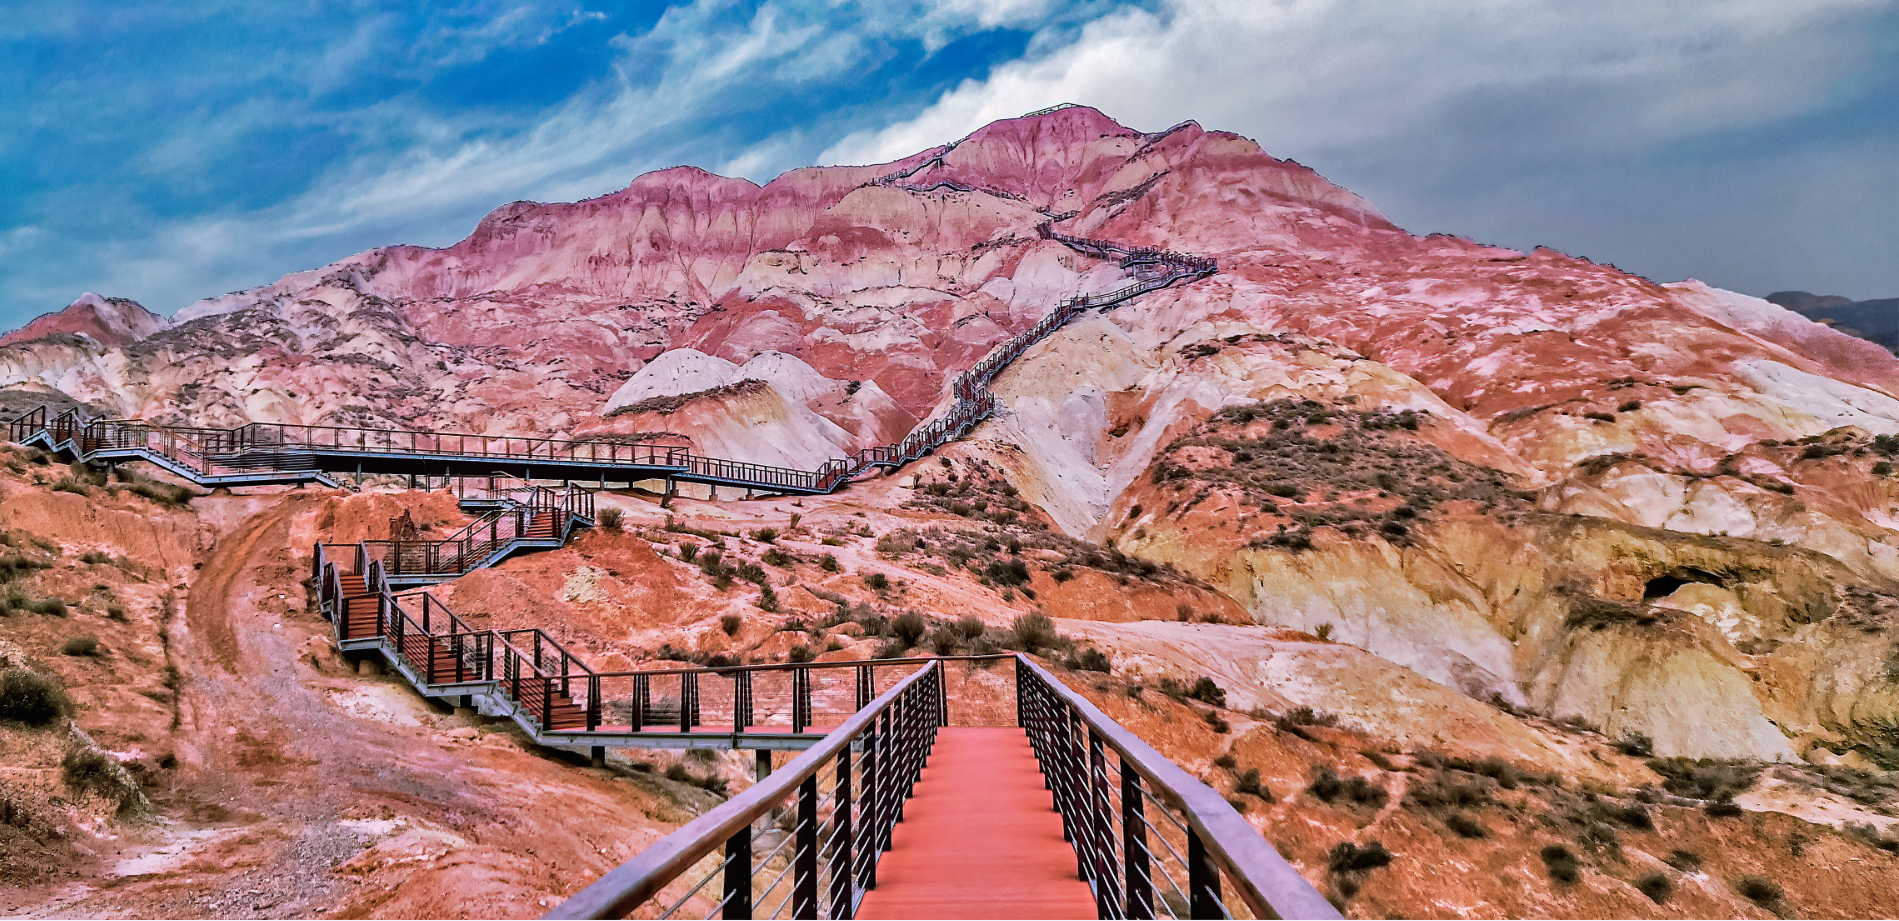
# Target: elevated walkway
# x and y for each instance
(268, 453)
(980, 838)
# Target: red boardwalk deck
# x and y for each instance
(981, 839)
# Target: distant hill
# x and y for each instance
(1875, 321)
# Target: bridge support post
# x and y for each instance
(762, 767)
(597, 756)
(465, 706)
(369, 666)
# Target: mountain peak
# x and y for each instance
(109, 321)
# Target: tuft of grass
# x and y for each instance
(828, 563)
(1352, 858)
(1705, 778)
(94, 558)
(82, 645)
(731, 623)
(1361, 792)
(1248, 782)
(1760, 890)
(611, 519)
(878, 582)
(1034, 631)
(1685, 861)
(970, 626)
(1466, 826)
(909, 628)
(1563, 864)
(1635, 745)
(1656, 886)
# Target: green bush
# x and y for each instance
(828, 563)
(1656, 886)
(29, 697)
(1008, 573)
(1207, 692)
(970, 626)
(878, 582)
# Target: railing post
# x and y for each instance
(688, 686)
(593, 702)
(872, 838)
(843, 874)
(1101, 829)
(637, 710)
(1203, 880)
(1140, 882)
(804, 882)
(738, 873)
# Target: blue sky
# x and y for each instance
(171, 151)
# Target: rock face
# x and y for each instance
(1620, 425)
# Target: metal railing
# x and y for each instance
(802, 843)
(1151, 840)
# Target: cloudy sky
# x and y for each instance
(169, 151)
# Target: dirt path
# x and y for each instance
(305, 790)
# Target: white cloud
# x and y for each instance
(1319, 77)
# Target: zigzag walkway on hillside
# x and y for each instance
(265, 453)
(872, 725)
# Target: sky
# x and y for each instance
(167, 151)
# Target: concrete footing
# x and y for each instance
(369, 666)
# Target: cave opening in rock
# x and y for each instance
(1664, 586)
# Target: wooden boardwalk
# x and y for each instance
(980, 839)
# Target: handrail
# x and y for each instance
(1270, 887)
(625, 887)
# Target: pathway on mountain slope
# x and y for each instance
(980, 838)
(274, 453)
